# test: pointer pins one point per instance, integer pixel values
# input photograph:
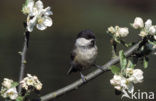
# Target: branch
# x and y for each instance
(89, 77)
(23, 58)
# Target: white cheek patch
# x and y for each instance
(82, 42)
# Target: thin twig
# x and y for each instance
(23, 58)
(89, 77)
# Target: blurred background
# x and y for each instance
(49, 50)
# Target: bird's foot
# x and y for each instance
(83, 78)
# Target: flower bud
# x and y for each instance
(129, 71)
(111, 29)
(148, 23)
(143, 34)
(7, 83)
(138, 23)
(123, 32)
(152, 30)
(12, 93)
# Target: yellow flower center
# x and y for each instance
(11, 93)
(40, 20)
(25, 10)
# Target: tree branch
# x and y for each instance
(23, 58)
(89, 77)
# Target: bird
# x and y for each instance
(84, 53)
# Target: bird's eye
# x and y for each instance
(92, 43)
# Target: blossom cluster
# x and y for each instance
(37, 15)
(118, 31)
(126, 76)
(146, 28)
(8, 89)
(31, 81)
(125, 82)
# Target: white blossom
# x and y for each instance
(135, 75)
(118, 87)
(143, 34)
(38, 86)
(125, 81)
(31, 81)
(138, 76)
(37, 15)
(8, 89)
(148, 23)
(117, 34)
(28, 7)
(116, 80)
(129, 71)
(152, 30)
(138, 23)
(10, 93)
(7, 83)
(118, 31)
(121, 83)
(148, 29)
(123, 32)
(111, 29)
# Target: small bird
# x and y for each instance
(84, 53)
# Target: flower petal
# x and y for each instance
(152, 30)
(12, 93)
(30, 4)
(138, 23)
(47, 11)
(31, 23)
(39, 5)
(41, 26)
(148, 23)
(47, 21)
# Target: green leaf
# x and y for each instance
(130, 64)
(115, 69)
(123, 60)
(152, 42)
(145, 62)
(19, 98)
(14, 84)
(26, 2)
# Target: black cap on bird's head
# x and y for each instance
(86, 34)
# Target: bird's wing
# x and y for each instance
(72, 56)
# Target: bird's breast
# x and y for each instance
(86, 56)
